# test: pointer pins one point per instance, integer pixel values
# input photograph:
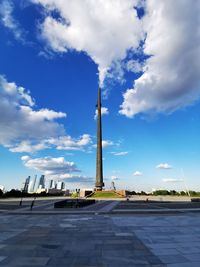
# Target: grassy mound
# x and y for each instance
(102, 194)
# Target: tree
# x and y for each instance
(161, 193)
(13, 193)
(173, 192)
(183, 193)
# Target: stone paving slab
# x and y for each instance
(100, 240)
(70, 241)
(175, 240)
(28, 261)
(2, 258)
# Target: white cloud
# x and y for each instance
(171, 75)
(45, 114)
(21, 125)
(7, 19)
(60, 143)
(104, 111)
(137, 173)
(109, 30)
(114, 178)
(80, 179)
(56, 168)
(164, 166)
(28, 147)
(172, 180)
(68, 143)
(25, 158)
(122, 153)
(105, 30)
(134, 66)
(106, 143)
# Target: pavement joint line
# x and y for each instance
(38, 206)
(96, 205)
(117, 212)
(159, 210)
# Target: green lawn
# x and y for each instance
(105, 194)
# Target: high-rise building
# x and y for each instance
(26, 184)
(41, 183)
(51, 184)
(31, 188)
(34, 183)
(62, 186)
(59, 185)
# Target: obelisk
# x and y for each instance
(99, 163)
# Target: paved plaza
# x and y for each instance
(98, 238)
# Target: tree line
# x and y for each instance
(165, 193)
(20, 194)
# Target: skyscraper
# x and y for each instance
(51, 184)
(62, 186)
(41, 183)
(99, 163)
(32, 183)
(26, 184)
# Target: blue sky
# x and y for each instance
(148, 67)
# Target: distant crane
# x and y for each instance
(187, 190)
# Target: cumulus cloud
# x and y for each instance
(104, 111)
(137, 173)
(27, 146)
(134, 66)
(106, 143)
(7, 19)
(68, 143)
(65, 142)
(25, 129)
(170, 78)
(114, 178)
(172, 180)
(122, 153)
(164, 166)
(105, 30)
(80, 179)
(55, 168)
(22, 126)
(168, 35)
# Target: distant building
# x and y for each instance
(34, 183)
(54, 191)
(62, 186)
(41, 184)
(26, 184)
(31, 188)
(51, 184)
(40, 190)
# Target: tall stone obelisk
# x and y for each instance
(99, 163)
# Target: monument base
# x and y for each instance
(98, 189)
(108, 193)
